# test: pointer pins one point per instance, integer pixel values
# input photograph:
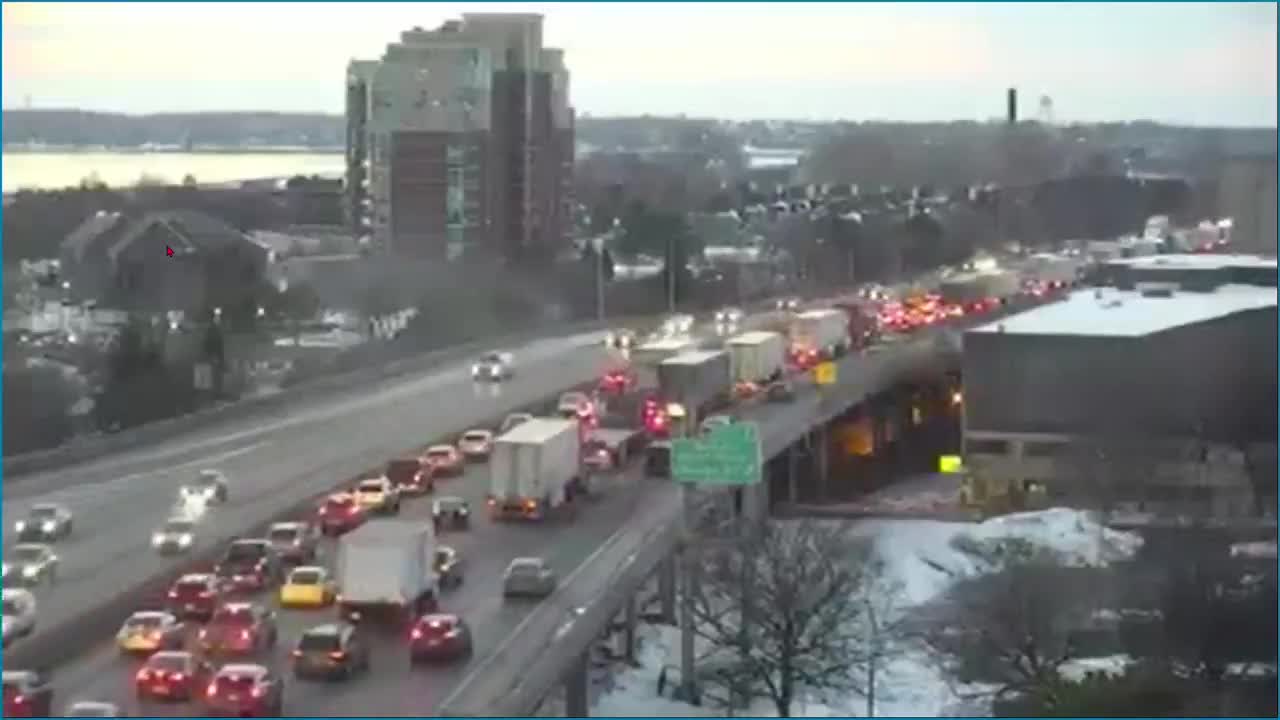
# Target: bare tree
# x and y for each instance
(1012, 628)
(807, 579)
(883, 626)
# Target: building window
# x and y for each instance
(985, 446)
(455, 154)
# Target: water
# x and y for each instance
(45, 170)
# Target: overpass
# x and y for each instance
(280, 460)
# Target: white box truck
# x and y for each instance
(387, 568)
(535, 468)
(646, 358)
(757, 358)
(700, 381)
(820, 333)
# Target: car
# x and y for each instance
(445, 460)
(148, 631)
(195, 596)
(451, 512)
(295, 542)
(617, 382)
(439, 636)
(172, 675)
(378, 495)
(411, 475)
(92, 709)
(19, 614)
(239, 628)
(27, 694)
(29, 565)
(512, 420)
(45, 522)
(789, 304)
(334, 650)
(209, 486)
(340, 513)
(493, 366)
(528, 577)
(308, 586)
(729, 316)
(176, 535)
(249, 565)
(678, 324)
(620, 339)
(573, 405)
(597, 456)
(448, 566)
(476, 444)
(713, 422)
(781, 391)
(244, 690)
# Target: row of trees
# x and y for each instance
(804, 609)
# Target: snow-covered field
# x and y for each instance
(921, 561)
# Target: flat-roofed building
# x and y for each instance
(1159, 390)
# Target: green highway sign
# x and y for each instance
(729, 455)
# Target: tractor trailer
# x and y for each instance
(535, 469)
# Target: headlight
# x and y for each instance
(30, 571)
(20, 525)
(463, 511)
(184, 539)
(157, 539)
(48, 526)
(475, 369)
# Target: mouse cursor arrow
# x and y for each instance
(168, 251)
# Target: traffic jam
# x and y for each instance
(203, 643)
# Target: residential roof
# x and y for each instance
(1208, 261)
(185, 231)
(98, 227)
(1129, 313)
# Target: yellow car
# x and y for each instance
(151, 631)
(308, 586)
(378, 495)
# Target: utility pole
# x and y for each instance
(688, 557)
(598, 245)
(671, 274)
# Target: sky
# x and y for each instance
(1189, 63)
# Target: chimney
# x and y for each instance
(1012, 104)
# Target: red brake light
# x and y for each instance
(258, 691)
(19, 699)
(212, 690)
(144, 675)
(245, 635)
(297, 653)
(177, 677)
(337, 654)
(173, 594)
(416, 634)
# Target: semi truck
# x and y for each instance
(817, 335)
(646, 358)
(386, 568)
(535, 469)
(756, 358)
(700, 381)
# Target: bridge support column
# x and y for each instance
(629, 632)
(667, 589)
(793, 475)
(575, 689)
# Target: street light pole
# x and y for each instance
(671, 275)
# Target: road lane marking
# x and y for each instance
(519, 628)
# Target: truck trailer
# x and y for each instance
(819, 334)
(756, 358)
(387, 568)
(700, 381)
(535, 469)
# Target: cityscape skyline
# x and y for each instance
(1193, 64)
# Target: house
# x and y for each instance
(123, 262)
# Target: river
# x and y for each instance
(46, 170)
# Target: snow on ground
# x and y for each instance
(922, 562)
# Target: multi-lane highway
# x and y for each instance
(393, 687)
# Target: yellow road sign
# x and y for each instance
(950, 464)
(825, 373)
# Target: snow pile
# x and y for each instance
(1109, 665)
(921, 559)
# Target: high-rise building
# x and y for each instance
(460, 142)
(1247, 194)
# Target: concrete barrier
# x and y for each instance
(102, 616)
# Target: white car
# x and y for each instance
(620, 339)
(46, 522)
(210, 486)
(789, 304)
(679, 324)
(19, 614)
(573, 404)
(476, 444)
(729, 316)
(176, 535)
(494, 366)
(29, 564)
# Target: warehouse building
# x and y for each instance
(1156, 393)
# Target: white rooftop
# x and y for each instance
(1127, 313)
(1196, 262)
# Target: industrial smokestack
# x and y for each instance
(1013, 106)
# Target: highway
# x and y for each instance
(271, 467)
(393, 687)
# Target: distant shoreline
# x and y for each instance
(29, 149)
